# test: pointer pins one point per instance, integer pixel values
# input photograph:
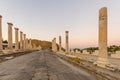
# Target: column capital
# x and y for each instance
(21, 32)
(54, 39)
(24, 34)
(0, 16)
(16, 28)
(9, 23)
(66, 31)
(103, 12)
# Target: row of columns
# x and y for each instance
(54, 45)
(23, 40)
(102, 41)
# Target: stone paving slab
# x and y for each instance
(41, 65)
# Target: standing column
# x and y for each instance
(67, 42)
(21, 40)
(54, 46)
(102, 56)
(30, 43)
(24, 41)
(60, 43)
(1, 47)
(16, 39)
(10, 36)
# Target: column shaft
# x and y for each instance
(10, 46)
(67, 42)
(59, 43)
(16, 39)
(1, 47)
(21, 40)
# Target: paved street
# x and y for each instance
(41, 65)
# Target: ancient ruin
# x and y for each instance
(103, 55)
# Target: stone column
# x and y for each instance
(27, 43)
(16, 39)
(54, 46)
(1, 47)
(103, 55)
(30, 42)
(21, 40)
(67, 42)
(24, 41)
(60, 43)
(10, 46)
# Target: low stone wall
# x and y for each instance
(116, 55)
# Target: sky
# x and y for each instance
(46, 19)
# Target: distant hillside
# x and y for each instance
(43, 44)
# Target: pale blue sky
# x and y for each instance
(46, 19)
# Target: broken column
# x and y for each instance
(21, 40)
(54, 45)
(1, 47)
(102, 56)
(67, 42)
(60, 43)
(10, 46)
(16, 39)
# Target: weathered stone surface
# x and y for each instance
(1, 48)
(10, 44)
(102, 59)
(21, 40)
(54, 45)
(95, 53)
(16, 39)
(116, 55)
(67, 41)
(85, 52)
(60, 43)
(24, 42)
(42, 65)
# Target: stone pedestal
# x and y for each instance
(103, 55)
(10, 45)
(67, 42)
(16, 39)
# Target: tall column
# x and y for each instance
(30, 41)
(53, 45)
(24, 41)
(16, 39)
(67, 42)
(1, 47)
(60, 43)
(103, 55)
(10, 36)
(21, 40)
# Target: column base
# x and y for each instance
(8, 51)
(102, 62)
